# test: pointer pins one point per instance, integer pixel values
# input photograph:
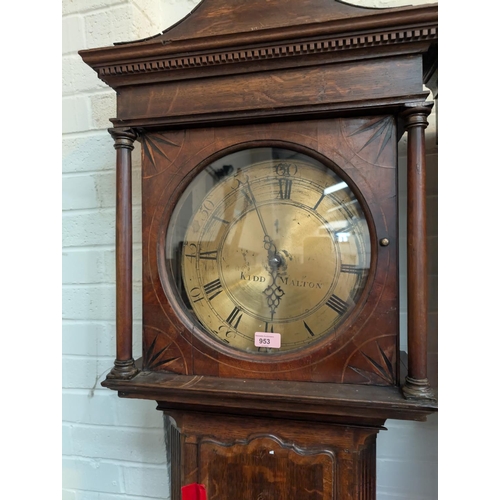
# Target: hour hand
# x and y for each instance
(274, 260)
(272, 251)
(273, 292)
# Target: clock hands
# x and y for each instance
(251, 197)
(273, 291)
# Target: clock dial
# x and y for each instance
(270, 240)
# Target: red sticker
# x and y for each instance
(193, 492)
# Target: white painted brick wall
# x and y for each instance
(113, 448)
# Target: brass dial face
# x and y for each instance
(269, 241)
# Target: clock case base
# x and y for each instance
(259, 458)
(250, 439)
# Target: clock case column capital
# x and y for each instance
(124, 137)
(415, 114)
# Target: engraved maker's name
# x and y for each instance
(282, 280)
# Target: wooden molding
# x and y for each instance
(335, 403)
(257, 54)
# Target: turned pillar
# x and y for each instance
(124, 364)
(416, 383)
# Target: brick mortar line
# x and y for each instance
(86, 173)
(109, 358)
(105, 247)
(87, 93)
(149, 430)
(119, 495)
(83, 211)
(111, 284)
(153, 465)
(97, 321)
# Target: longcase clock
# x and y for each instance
(270, 322)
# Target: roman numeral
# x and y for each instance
(337, 304)
(212, 255)
(319, 201)
(213, 289)
(351, 269)
(285, 188)
(233, 317)
(309, 331)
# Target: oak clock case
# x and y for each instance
(270, 241)
(269, 133)
(269, 236)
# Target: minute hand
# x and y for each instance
(268, 242)
(259, 215)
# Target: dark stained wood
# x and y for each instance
(173, 440)
(230, 17)
(267, 464)
(124, 363)
(298, 400)
(331, 57)
(364, 349)
(271, 91)
(241, 457)
(417, 384)
(194, 38)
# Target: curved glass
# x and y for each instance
(269, 250)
